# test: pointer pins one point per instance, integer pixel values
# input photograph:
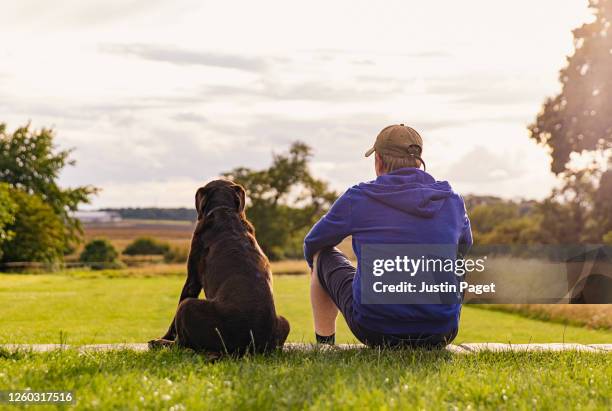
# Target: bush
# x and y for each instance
(146, 246)
(176, 255)
(36, 233)
(607, 239)
(8, 208)
(100, 254)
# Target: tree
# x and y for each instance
(29, 162)
(499, 222)
(485, 217)
(38, 233)
(578, 123)
(284, 200)
(580, 117)
(518, 231)
(8, 208)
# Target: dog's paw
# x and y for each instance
(160, 343)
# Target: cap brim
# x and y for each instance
(370, 151)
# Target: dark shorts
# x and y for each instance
(336, 273)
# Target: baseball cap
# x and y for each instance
(396, 140)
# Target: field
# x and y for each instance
(135, 304)
(89, 307)
(80, 307)
(121, 233)
(178, 234)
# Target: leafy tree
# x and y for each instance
(568, 216)
(516, 231)
(38, 233)
(580, 117)
(98, 251)
(8, 208)
(485, 217)
(30, 162)
(285, 200)
(146, 246)
(578, 122)
(501, 222)
(602, 205)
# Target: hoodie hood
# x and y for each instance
(409, 190)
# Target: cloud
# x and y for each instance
(120, 113)
(484, 90)
(190, 117)
(312, 91)
(328, 52)
(153, 193)
(76, 13)
(271, 88)
(157, 152)
(178, 56)
(480, 165)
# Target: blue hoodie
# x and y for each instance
(407, 206)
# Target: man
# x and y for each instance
(404, 205)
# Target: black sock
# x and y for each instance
(330, 339)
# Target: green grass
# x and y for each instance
(86, 310)
(366, 379)
(92, 308)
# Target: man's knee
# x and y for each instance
(324, 253)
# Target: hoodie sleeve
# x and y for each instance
(331, 229)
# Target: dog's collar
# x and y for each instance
(217, 209)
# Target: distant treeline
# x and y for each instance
(522, 208)
(150, 213)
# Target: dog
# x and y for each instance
(225, 260)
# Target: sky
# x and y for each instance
(159, 97)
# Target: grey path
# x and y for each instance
(460, 348)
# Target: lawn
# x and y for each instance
(347, 380)
(86, 308)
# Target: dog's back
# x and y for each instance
(238, 313)
(236, 275)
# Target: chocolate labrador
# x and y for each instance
(225, 260)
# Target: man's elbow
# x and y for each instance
(308, 252)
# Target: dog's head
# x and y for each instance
(219, 193)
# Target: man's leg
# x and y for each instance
(331, 290)
(324, 310)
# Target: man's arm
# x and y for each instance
(331, 229)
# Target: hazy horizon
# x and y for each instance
(159, 97)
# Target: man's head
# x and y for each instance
(397, 146)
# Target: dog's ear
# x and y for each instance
(200, 201)
(241, 197)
